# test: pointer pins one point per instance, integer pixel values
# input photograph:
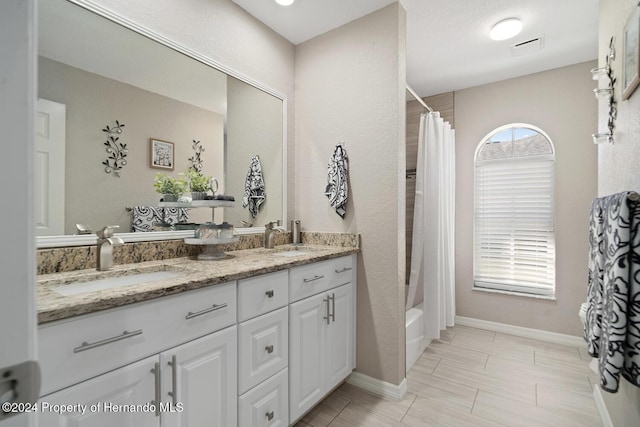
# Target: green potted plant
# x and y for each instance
(199, 184)
(170, 188)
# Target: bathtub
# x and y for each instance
(416, 343)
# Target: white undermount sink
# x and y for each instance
(103, 283)
(293, 252)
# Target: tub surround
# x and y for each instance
(193, 274)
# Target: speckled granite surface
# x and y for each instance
(193, 274)
(74, 258)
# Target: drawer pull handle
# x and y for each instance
(88, 346)
(174, 379)
(156, 402)
(269, 415)
(270, 294)
(269, 349)
(191, 315)
(344, 269)
(313, 279)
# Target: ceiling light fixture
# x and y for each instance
(506, 29)
(285, 2)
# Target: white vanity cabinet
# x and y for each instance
(154, 391)
(165, 351)
(263, 349)
(259, 352)
(322, 331)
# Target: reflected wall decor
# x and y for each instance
(162, 154)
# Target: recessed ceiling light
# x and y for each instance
(506, 29)
(285, 2)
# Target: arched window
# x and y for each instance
(514, 223)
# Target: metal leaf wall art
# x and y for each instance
(117, 150)
(196, 159)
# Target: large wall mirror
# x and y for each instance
(93, 71)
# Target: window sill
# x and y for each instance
(517, 294)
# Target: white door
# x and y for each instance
(307, 327)
(49, 167)
(339, 336)
(17, 246)
(201, 376)
(106, 398)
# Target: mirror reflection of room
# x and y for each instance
(93, 72)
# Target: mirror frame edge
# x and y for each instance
(44, 242)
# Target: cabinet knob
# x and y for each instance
(270, 294)
(269, 415)
(269, 349)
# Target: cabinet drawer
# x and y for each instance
(266, 404)
(263, 348)
(262, 294)
(343, 270)
(311, 279)
(76, 349)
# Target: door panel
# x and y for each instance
(339, 337)
(306, 354)
(205, 380)
(49, 168)
(131, 385)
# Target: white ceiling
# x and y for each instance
(448, 47)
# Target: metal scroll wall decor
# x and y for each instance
(607, 93)
(117, 150)
(196, 159)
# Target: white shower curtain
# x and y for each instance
(432, 276)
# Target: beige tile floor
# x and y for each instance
(476, 378)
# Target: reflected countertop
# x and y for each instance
(190, 274)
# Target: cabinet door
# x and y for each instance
(263, 348)
(339, 345)
(131, 385)
(307, 327)
(266, 405)
(199, 380)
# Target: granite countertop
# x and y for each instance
(191, 274)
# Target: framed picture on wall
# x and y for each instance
(162, 154)
(631, 54)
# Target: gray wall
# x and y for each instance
(350, 86)
(619, 169)
(561, 103)
(254, 127)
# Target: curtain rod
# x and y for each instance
(415, 95)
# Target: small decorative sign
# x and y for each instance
(161, 154)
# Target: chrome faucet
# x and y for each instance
(269, 234)
(104, 251)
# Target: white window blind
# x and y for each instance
(514, 242)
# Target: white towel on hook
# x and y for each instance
(612, 327)
(337, 189)
(254, 189)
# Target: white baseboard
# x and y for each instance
(378, 387)
(535, 334)
(602, 408)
